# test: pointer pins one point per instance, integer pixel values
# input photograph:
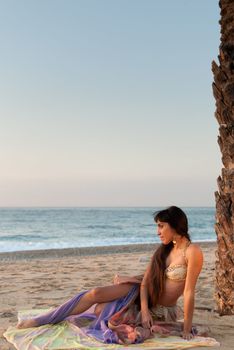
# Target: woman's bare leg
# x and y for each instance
(101, 295)
(94, 296)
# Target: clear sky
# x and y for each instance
(108, 102)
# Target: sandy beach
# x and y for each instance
(40, 279)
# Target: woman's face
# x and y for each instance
(165, 232)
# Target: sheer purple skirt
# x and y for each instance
(97, 325)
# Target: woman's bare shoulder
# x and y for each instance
(194, 249)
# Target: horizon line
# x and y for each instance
(118, 206)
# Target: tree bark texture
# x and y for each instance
(223, 90)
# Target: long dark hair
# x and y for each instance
(177, 219)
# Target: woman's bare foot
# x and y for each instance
(26, 324)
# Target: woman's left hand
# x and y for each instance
(186, 335)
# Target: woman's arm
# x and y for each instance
(146, 318)
(195, 261)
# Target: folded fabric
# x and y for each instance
(73, 335)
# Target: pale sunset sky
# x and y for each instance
(108, 103)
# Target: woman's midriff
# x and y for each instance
(173, 290)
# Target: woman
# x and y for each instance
(133, 308)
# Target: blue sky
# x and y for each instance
(108, 103)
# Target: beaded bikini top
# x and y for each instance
(177, 272)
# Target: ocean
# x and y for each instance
(49, 228)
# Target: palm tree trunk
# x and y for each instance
(223, 90)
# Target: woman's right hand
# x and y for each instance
(146, 319)
(126, 279)
(120, 279)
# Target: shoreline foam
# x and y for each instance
(83, 251)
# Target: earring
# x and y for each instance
(174, 242)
